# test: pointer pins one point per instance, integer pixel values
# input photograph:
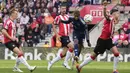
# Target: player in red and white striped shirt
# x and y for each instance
(11, 42)
(63, 37)
(104, 42)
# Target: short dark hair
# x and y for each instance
(63, 4)
(76, 13)
(113, 10)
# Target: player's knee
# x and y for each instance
(93, 57)
(20, 54)
(75, 41)
(61, 55)
(70, 50)
(116, 54)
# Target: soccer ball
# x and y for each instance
(88, 18)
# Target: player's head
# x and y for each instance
(13, 13)
(76, 14)
(115, 13)
(63, 9)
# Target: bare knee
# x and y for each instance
(18, 52)
(70, 45)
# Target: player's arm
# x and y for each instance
(67, 21)
(54, 29)
(4, 32)
(86, 31)
(105, 10)
(56, 22)
(87, 36)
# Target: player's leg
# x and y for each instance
(113, 48)
(22, 59)
(116, 58)
(80, 48)
(16, 67)
(76, 46)
(80, 43)
(60, 55)
(68, 55)
(99, 49)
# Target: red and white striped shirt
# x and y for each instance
(64, 29)
(11, 29)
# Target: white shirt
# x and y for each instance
(19, 14)
(24, 20)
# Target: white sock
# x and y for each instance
(59, 51)
(17, 62)
(116, 60)
(22, 60)
(86, 61)
(56, 59)
(68, 56)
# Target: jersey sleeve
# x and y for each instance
(57, 20)
(6, 25)
(83, 22)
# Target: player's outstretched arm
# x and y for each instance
(67, 21)
(105, 10)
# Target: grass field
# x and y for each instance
(95, 67)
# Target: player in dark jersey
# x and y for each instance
(104, 42)
(11, 42)
(80, 31)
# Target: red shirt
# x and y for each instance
(125, 2)
(125, 26)
(39, 19)
(123, 37)
(107, 30)
(53, 14)
(64, 29)
(11, 29)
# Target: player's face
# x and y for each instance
(116, 16)
(76, 16)
(15, 14)
(63, 10)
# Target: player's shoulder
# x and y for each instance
(8, 21)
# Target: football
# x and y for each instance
(88, 18)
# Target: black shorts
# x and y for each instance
(103, 45)
(79, 36)
(12, 44)
(65, 40)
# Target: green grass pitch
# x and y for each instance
(95, 67)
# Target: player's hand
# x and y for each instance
(17, 40)
(58, 37)
(14, 39)
(105, 3)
